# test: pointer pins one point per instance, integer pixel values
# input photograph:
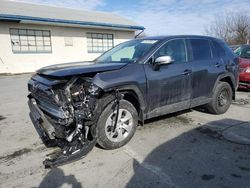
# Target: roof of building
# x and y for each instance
(37, 13)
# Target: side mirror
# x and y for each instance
(163, 60)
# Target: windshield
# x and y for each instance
(243, 52)
(127, 52)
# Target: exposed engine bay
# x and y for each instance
(64, 114)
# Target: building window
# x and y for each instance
(30, 41)
(99, 43)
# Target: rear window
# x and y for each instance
(201, 49)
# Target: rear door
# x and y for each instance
(169, 88)
(205, 69)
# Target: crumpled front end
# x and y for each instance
(63, 113)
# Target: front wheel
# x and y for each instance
(222, 99)
(110, 137)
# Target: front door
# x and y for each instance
(169, 88)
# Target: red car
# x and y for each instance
(244, 57)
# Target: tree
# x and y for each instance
(234, 28)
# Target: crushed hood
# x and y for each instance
(78, 68)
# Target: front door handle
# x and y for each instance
(187, 72)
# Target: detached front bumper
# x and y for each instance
(45, 130)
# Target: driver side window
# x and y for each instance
(175, 49)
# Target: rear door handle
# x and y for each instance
(218, 65)
(187, 72)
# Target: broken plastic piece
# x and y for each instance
(70, 154)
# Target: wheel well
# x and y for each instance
(128, 95)
(229, 81)
(133, 99)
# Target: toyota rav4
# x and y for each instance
(76, 105)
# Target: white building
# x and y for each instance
(34, 36)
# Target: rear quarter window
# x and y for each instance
(201, 49)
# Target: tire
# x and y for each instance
(222, 99)
(108, 139)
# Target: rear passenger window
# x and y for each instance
(218, 50)
(201, 49)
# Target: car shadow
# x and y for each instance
(197, 158)
(56, 178)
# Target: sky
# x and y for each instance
(161, 16)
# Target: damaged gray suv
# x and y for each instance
(76, 105)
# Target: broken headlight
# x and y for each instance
(93, 89)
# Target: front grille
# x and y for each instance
(45, 97)
(42, 93)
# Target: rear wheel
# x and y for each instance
(222, 99)
(110, 137)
